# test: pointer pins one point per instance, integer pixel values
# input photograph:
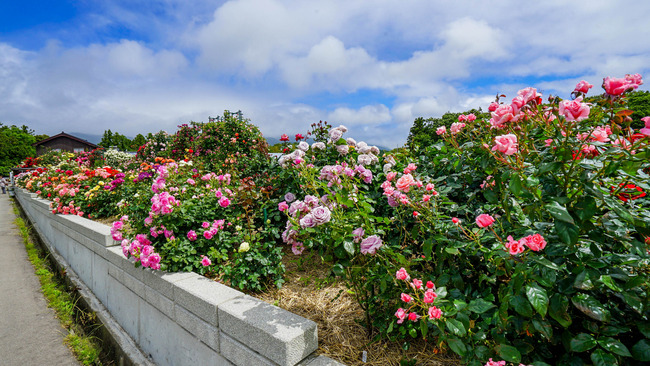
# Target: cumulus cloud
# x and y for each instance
(287, 64)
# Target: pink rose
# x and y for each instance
(529, 94)
(493, 106)
(455, 220)
(404, 182)
(406, 297)
(503, 114)
(484, 220)
(282, 206)
(191, 235)
(430, 285)
(634, 80)
(413, 317)
(506, 144)
(402, 274)
(429, 296)
(470, 117)
(207, 234)
(401, 315)
(434, 313)
(582, 87)
(297, 248)
(205, 224)
(515, 246)
(616, 86)
(574, 110)
(441, 130)
(417, 284)
(535, 242)
(205, 261)
(224, 202)
(646, 129)
(456, 127)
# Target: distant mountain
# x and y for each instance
(95, 139)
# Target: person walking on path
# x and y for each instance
(30, 334)
(3, 185)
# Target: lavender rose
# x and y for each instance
(321, 215)
(370, 244)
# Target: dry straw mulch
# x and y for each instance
(308, 292)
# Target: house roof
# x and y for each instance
(63, 134)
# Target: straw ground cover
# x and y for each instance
(311, 292)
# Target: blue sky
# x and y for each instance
(138, 66)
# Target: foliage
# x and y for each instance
(15, 146)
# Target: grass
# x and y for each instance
(86, 348)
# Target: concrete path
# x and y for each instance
(30, 334)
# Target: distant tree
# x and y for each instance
(138, 141)
(15, 146)
(639, 102)
(423, 131)
(107, 139)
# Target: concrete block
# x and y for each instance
(241, 355)
(205, 332)
(202, 296)
(133, 284)
(100, 274)
(95, 231)
(124, 305)
(158, 301)
(169, 344)
(80, 259)
(163, 282)
(281, 336)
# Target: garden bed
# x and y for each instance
(310, 291)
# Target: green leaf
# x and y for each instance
(583, 280)
(544, 328)
(456, 327)
(559, 212)
(582, 342)
(424, 327)
(601, 358)
(508, 353)
(538, 298)
(521, 306)
(609, 282)
(457, 346)
(427, 247)
(591, 307)
(480, 306)
(586, 207)
(644, 328)
(567, 232)
(349, 247)
(515, 185)
(558, 310)
(641, 350)
(546, 263)
(634, 301)
(614, 346)
(453, 251)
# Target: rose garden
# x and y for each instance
(516, 236)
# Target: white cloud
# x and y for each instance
(287, 64)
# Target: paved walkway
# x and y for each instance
(30, 334)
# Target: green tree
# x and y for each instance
(107, 139)
(138, 141)
(639, 102)
(15, 146)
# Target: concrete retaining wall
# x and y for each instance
(174, 318)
